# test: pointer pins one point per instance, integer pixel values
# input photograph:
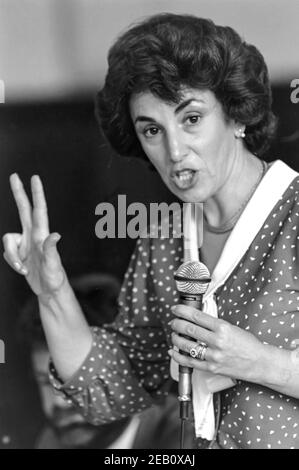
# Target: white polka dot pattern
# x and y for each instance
(128, 364)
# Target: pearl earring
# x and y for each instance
(241, 133)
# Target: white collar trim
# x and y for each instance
(277, 179)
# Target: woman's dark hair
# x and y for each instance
(167, 52)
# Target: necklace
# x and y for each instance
(230, 223)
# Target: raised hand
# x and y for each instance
(33, 252)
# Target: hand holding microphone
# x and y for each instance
(206, 342)
(192, 281)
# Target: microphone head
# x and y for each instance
(192, 277)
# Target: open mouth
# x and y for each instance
(184, 178)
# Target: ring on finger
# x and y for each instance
(199, 351)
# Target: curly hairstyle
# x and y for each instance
(167, 53)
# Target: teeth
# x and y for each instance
(185, 175)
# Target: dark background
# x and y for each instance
(61, 142)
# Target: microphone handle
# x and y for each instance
(192, 300)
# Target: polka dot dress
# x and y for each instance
(262, 297)
(128, 365)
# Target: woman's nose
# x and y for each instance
(176, 147)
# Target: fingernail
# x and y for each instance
(17, 265)
(173, 309)
(170, 352)
(24, 270)
(57, 236)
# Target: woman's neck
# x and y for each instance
(243, 176)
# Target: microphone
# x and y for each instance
(192, 281)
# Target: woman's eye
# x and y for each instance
(151, 131)
(193, 119)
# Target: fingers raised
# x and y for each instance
(22, 202)
(40, 210)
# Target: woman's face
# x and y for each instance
(191, 144)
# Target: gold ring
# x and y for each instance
(199, 351)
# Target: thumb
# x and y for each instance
(49, 246)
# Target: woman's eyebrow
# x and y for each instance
(144, 119)
(179, 108)
(186, 103)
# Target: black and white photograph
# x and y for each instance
(149, 219)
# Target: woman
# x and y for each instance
(195, 100)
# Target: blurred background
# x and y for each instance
(52, 62)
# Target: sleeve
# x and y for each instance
(127, 367)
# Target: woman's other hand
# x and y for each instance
(33, 252)
(231, 351)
